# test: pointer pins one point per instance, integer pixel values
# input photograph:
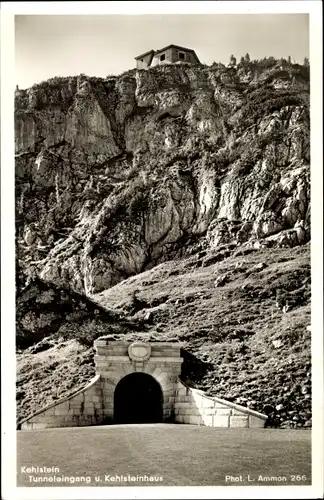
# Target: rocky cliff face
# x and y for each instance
(117, 175)
(162, 205)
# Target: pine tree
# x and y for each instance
(306, 61)
(233, 60)
(247, 57)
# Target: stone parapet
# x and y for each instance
(74, 410)
(192, 406)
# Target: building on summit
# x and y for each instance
(167, 55)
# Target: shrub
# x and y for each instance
(263, 102)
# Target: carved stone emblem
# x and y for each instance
(139, 351)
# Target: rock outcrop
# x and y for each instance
(116, 175)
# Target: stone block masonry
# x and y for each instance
(192, 406)
(142, 380)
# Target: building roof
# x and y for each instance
(145, 54)
(178, 47)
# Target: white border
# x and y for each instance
(163, 7)
(8, 9)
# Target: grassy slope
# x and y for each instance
(45, 376)
(245, 347)
(248, 349)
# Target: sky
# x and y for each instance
(101, 45)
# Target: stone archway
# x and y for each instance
(138, 398)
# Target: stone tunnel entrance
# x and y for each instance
(138, 399)
(139, 382)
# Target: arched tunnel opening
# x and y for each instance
(138, 399)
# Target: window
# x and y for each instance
(142, 60)
(162, 58)
(182, 56)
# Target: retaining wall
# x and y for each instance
(192, 406)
